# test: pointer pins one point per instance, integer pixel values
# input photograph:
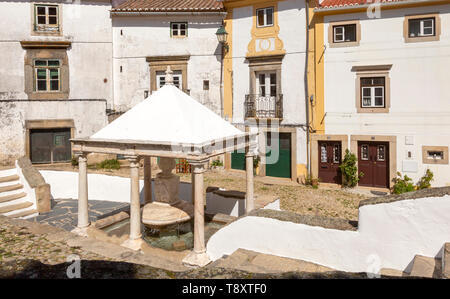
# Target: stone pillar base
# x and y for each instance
(196, 259)
(81, 231)
(133, 244)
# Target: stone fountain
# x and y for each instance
(166, 209)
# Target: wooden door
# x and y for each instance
(50, 145)
(330, 153)
(373, 161)
(282, 167)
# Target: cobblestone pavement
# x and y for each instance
(64, 212)
(33, 250)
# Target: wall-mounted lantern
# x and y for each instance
(222, 36)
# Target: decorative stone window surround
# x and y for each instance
(426, 160)
(331, 42)
(46, 33)
(437, 28)
(372, 71)
(160, 64)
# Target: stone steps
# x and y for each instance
(11, 188)
(11, 208)
(9, 178)
(23, 214)
(427, 267)
(12, 197)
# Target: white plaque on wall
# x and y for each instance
(410, 166)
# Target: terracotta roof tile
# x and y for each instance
(169, 6)
(351, 3)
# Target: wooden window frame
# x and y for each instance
(48, 79)
(426, 38)
(46, 29)
(178, 29)
(265, 9)
(343, 33)
(372, 89)
(333, 44)
(427, 160)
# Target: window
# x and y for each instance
(381, 153)
(435, 154)
(344, 33)
(264, 17)
(47, 75)
(267, 83)
(161, 79)
(46, 18)
(365, 152)
(178, 29)
(205, 84)
(421, 27)
(372, 92)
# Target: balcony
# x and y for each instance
(257, 106)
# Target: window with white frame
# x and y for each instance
(161, 79)
(178, 29)
(373, 92)
(264, 17)
(421, 27)
(47, 73)
(344, 33)
(46, 18)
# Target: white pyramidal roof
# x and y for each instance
(168, 116)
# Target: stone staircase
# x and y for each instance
(422, 266)
(14, 200)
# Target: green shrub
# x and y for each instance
(402, 184)
(350, 170)
(217, 163)
(425, 181)
(109, 164)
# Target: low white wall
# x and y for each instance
(389, 236)
(64, 184)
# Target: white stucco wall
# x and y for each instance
(88, 116)
(419, 93)
(389, 236)
(150, 36)
(292, 23)
(85, 24)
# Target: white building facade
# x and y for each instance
(55, 76)
(386, 92)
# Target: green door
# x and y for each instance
(282, 167)
(238, 160)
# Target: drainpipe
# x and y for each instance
(308, 149)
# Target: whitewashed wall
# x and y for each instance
(150, 36)
(86, 24)
(292, 23)
(420, 93)
(389, 236)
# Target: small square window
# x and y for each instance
(264, 16)
(205, 84)
(344, 33)
(435, 154)
(46, 18)
(421, 27)
(178, 29)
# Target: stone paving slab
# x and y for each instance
(64, 213)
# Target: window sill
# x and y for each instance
(344, 44)
(48, 96)
(421, 39)
(372, 110)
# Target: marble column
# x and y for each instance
(249, 195)
(83, 207)
(135, 239)
(148, 179)
(198, 256)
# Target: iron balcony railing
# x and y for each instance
(258, 106)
